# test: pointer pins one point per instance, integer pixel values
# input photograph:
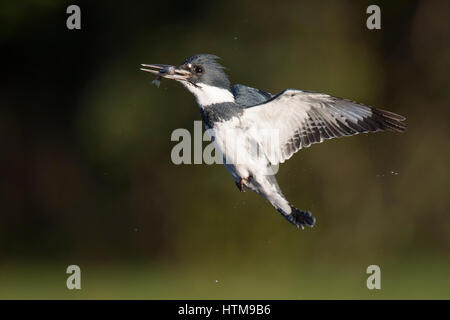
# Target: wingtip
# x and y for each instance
(392, 121)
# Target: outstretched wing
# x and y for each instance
(298, 119)
(247, 96)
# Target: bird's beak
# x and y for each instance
(167, 71)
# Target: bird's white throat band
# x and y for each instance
(207, 95)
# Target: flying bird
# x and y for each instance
(269, 128)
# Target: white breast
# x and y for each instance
(238, 147)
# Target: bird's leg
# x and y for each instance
(240, 185)
(242, 182)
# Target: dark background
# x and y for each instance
(86, 175)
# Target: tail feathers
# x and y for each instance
(299, 218)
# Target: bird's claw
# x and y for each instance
(243, 182)
(240, 185)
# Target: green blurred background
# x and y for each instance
(86, 176)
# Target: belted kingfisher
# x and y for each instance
(291, 120)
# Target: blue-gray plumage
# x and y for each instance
(220, 112)
(211, 71)
(255, 130)
(247, 97)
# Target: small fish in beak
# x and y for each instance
(166, 71)
(157, 81)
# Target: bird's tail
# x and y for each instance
(299, 218)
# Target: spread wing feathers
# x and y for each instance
(295, 119)
(246, 96)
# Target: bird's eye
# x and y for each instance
(198, 69)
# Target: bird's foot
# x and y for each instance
(243, 182)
